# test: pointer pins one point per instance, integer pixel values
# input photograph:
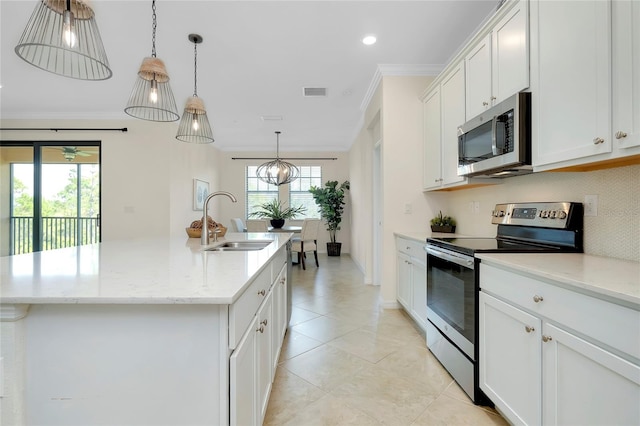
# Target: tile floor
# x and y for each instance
(346, 361)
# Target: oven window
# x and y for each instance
(451, 295)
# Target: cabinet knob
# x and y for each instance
(529, 329)
(262, 292)
(283, 280)
(620, 134)
(260, 329)
(493, 98)
(598, 141)
(537, 298)
(546, 339)
(264, 322)
(485, 103)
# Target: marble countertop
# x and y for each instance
(144, 271)
(611, 279)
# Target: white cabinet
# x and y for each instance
(549, 355)
(497, 66)
(411, 279)
(443, 110)
(586, 100)
(254, 359)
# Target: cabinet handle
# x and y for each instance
(598, 141)
(408, 248)
(529, 329)
(546, 339)
(493, 98)
(485, 103)
(260, 329)
(537, 298)
(283, 280)
(262, 292)
(620, 134)
(264, 322)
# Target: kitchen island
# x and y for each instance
(155, 331)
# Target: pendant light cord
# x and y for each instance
(195, 69)
(153, 29)
(277, 145)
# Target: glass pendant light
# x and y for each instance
(62, 37)
(194, 126)
(277, 172)
(151, 98)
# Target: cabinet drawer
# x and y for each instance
(244, 309)
(411, 247)
(603, 321)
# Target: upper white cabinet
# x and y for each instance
(432, 140)
(581, 115)
(497, 66)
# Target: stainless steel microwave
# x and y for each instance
(497, 143)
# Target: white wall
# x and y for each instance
(232, 179)
(147, 174)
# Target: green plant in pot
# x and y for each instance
(273, 210)
(330, 200)
(442, 223)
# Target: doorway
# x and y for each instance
(49, 195)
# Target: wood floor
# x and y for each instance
(346, 361)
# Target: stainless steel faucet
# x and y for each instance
(204, 237)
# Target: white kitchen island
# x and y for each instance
(142, 332)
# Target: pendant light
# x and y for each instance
(151, 98)
(62, 37)
(194, 126)
(277, 172)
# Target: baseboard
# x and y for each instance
(390, 304)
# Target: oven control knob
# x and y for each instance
(562, 214)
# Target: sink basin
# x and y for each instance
(241, 246)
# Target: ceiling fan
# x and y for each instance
(70, 153)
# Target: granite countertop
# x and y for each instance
(143, 271)
(611, 279)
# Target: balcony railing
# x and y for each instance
(57, 232)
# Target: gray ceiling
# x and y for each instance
(255, 60)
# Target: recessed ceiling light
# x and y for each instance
(369, 40)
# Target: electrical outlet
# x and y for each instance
(591, 205)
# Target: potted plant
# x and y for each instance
(273, 210)
(442, 223)
(330, 199)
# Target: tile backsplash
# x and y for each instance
(614, 232)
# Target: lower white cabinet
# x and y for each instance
(552, 356)
(254, 360)
(411, 279)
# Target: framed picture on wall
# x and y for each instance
(200, 192)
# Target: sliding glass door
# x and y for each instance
(49, 195)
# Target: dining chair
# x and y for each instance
(307, 241)
(257, 225)
(237, 225)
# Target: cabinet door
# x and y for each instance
(403, 278)
(264, 352)
(279, 314)
(626, 76)
(584, 384)
(419, 291)
(432, 140)
(453, 115)
(478, 78)
(243, 380)
(510, 359)
(510, 53)
(571, 112)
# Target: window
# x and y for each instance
(299, 190)
(258, 192)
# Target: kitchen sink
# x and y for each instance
(241, 246)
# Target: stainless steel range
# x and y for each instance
(453, 281)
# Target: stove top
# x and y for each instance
(489, 245)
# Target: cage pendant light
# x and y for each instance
(62, 37)
(151, 98)
(194, 126)
(277, 172)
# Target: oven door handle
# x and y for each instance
(467, 262)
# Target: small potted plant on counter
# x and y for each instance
(442, 223)
(273, 210)
(330, 199)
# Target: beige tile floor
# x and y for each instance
(346, 361)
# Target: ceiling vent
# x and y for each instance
(314, 92)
